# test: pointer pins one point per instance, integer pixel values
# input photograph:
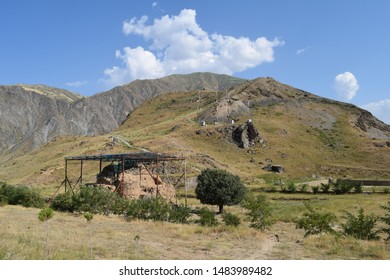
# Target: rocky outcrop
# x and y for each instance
(246, 135)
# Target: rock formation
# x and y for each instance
(246, 135)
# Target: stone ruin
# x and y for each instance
(138, 183)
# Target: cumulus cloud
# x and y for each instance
(346, 86)
(380, 109)
(177, 44)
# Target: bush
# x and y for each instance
(315, 189)
(360, 226)
(219, 187)
(314, 222)
(341, 188)
(63, 202)
(303, 188)
(95, 200)
(231, 220)
(259, 211)
(207, 218)
(358, 188)
(179, 214)
(25, 196)
(291, 188)
(155, 209)
(325, 188)
(386, 220)
(90, 199)
(386, 191)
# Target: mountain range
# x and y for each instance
(31, 115)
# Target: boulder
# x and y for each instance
(246, 135)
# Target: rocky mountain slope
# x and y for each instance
(31, 115)
(307, 135)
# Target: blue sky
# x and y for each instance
(335, 49)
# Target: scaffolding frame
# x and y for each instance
(138, 158)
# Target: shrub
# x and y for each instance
(94, 200)
(341, 188)
(358, 188)
(230, 219)
(155, 209)
(386, 190)
(303, 188)
(207, 218)
(291, 188)
(325, 188)
(386, 220)
(259, 211)
(360, 226)
(25, 196)
(219, 187)
(315, 189)
(179, 214)
(314, 222)
(63, 202)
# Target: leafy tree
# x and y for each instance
(360, 226)
(314, 222)
(386, 220)
(219, 187)
(260, 211)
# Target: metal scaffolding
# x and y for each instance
(123, 160)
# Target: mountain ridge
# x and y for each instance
(32, 115)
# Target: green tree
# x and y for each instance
(260, 211)
(315, 222)
(361, 226)
(219, 187)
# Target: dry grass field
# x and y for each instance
(22, 235)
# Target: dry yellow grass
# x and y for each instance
(22, 236)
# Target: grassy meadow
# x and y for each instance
(22, 235)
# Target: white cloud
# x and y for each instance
(177, 44)
(301, 51)
(154, 4)
(346, 86)
(76, 84)
(380, 109)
